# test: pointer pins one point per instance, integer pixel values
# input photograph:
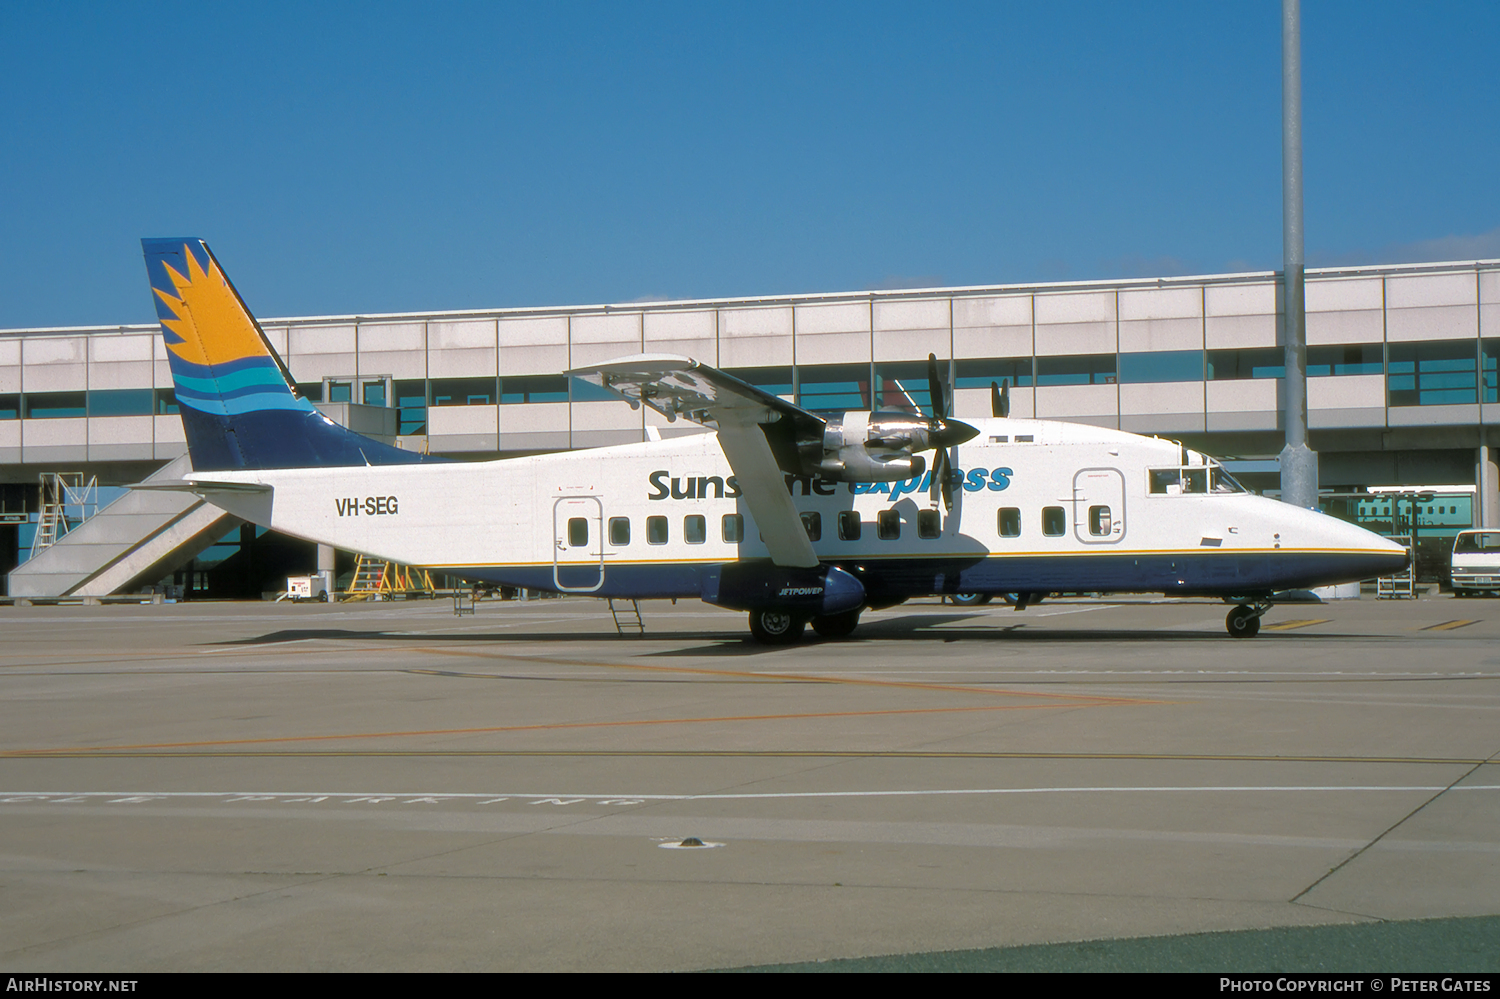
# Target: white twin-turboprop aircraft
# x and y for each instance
(793, 516)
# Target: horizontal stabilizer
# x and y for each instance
(202, 487)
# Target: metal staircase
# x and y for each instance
(134, 541)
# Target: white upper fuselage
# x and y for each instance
(1051, 479)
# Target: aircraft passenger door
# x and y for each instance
(578, 544)
(1099, 506)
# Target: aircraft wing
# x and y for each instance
(757, 430)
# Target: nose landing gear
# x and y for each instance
(1244, 620)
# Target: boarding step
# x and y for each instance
(627, 617)
(1400, 585)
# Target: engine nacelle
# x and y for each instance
(757, 585)
(872, 447)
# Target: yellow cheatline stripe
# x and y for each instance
(1289, 625)
(905, 555)
(1448, 625)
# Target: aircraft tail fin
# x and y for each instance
(238, 401)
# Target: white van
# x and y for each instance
(1476, 562)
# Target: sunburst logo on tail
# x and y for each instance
(220, 361)
(211, 325)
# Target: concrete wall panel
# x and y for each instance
(450, 420)
(1366, 326)
(376, 337)
(1344, 294)
(755, 351)
(541, 417)
(1075, 338)
(606, 416)
(923, 314)
(1161, 398)
(54, 364)
(993, 341)
(912, 345)
(693, 334)
(531, 331)
(1001, 310)
(1243, 395)
(121, 347)
(1432, 416)
(833, 348)
(765, 321)
(1064, 402)
(1433, 322)
(1161, 303)
(1257, 298)
(846, 317)
(545, 359)
(10, 364)
(1347, 392)
(1161, 334)
(1423, 290)
(615, 327)
(121, 430)
(467, 334)
(1075, 307)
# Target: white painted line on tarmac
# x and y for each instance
(565, 799)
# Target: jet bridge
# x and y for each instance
(134, 541)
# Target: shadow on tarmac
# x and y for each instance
(1421, 946)
(924, 628)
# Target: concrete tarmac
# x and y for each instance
(219, 786)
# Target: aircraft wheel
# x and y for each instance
(836, 625)
(1243, 622)
(775, 627)
(971, 599)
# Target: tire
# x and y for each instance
(776, 627)
(836, 625)
(971, 599)
(1242, 622)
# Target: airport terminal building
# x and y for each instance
(1402, 367)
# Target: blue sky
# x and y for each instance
(378, 157)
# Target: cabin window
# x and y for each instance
(929, 524)
(578, 531)
(734, 528)
(888, 525)
(619, 530)
(849, 525)
(812, 523)
(1009, 522)
(1099, 522)
(1054, 521)
(656, 530)
(694, 529)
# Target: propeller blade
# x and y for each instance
(939, 473)
(936, 389)
(1000, 399)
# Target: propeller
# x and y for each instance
(1000, 399)
(943, 432)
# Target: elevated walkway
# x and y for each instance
(134, 541)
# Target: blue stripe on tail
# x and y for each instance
(238, 403)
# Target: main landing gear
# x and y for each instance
(774, 626)
(1244, 620)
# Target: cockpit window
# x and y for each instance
(1191, 479)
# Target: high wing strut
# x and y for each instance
(757, 432)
